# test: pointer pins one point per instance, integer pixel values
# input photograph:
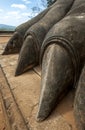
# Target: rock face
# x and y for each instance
(60, 40)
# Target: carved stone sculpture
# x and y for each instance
(35, 35)
(58, 40)
(79, 103)
(62, 56)
(15, 43)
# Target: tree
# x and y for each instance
(44, 3)
(47, 3)
(50, 2)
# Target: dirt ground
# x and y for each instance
(61, 119)
(2, 117)
(3, 126)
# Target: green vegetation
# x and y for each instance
(4, 27)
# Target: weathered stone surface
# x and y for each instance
(14, 116)
(30, 51)
(79, 105)
(59, 71)
(55, 122)
(56, 81)
(26, 89)
(3, 125)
